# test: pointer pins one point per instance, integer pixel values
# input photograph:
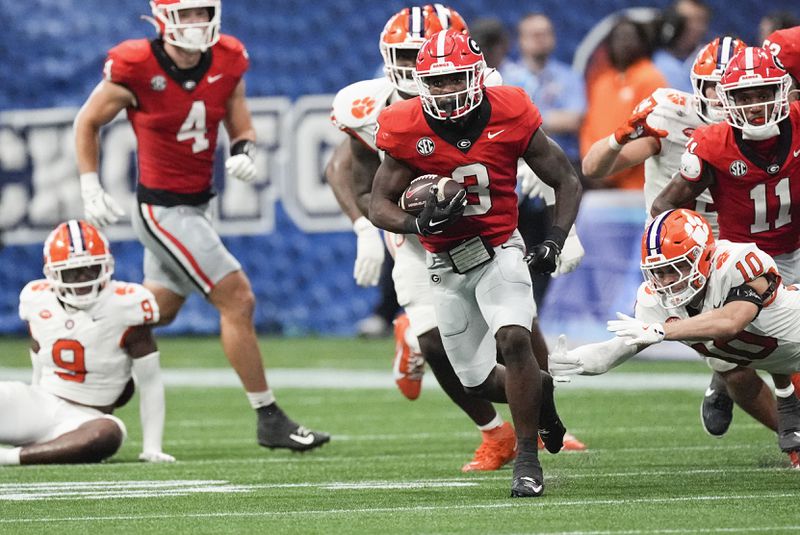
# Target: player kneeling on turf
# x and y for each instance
(89, 334)
(723, 299)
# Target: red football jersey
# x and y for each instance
(482, 156)
(757, 201)
(177, 116)
(786, 45)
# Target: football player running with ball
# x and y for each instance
(477, 268)
(723, 299)
(176, 90)
(89, 335)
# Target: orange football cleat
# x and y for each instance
(409, 364)
(794, 458)
(796, 383)
(571, 443)
(498, 447)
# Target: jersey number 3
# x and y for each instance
(69, 355)
(194, 127)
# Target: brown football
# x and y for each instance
(413, 198)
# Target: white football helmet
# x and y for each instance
(189, 35)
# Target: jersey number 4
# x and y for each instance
(69, 355)
(194, 127)
(759, 194)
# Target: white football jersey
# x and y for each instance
(674, 112)
(771, 342)
(81, 352)
(357, 106)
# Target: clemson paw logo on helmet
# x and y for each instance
(697, 229)
(362, 107)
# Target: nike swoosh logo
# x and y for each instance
(492, 135)
(212, 79)
(435, 223)
(410, 193)
(796, 153)
(709, 392)
(305, 440)
(530, 482)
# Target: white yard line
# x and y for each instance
(367, 379)
(527, 504)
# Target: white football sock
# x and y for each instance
(9, 455)
(496, 422)
(261, 399)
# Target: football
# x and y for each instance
(413, 198)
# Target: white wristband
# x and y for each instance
(612, 142)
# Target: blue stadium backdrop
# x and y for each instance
(285, 228)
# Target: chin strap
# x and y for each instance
(760, 133)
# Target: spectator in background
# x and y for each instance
(774, 21)
(620, 76)
(682, 31)
(492, 36)
(554, 87)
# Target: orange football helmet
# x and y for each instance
(707, 71)
(407, 30)
(190, 35)
(676, 255)
(77, 262)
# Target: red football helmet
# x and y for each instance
(755, 68)
(447, 58)
(786, 45)
(676, 256)
(407, 30)
(77, 262)
(188, 34)
(707, 71)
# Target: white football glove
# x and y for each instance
(99, 208)
(561, 364)
(530, 185)
(156, 457)
(241, 167)
(369, 253)
(636, 331)
(571, 254)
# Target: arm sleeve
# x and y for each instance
(147, 374)
(598, 358)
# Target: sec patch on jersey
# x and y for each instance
(413, 198)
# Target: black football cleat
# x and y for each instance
(716, 411)
(276, 430)
(789, 424)
(526, 487)
(551, 429)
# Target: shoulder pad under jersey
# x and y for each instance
(131, 51)
(360, 103)
(133, 304)
(34, 292)
(229, 42)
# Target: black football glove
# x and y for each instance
(435, 216)
(543, 257)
